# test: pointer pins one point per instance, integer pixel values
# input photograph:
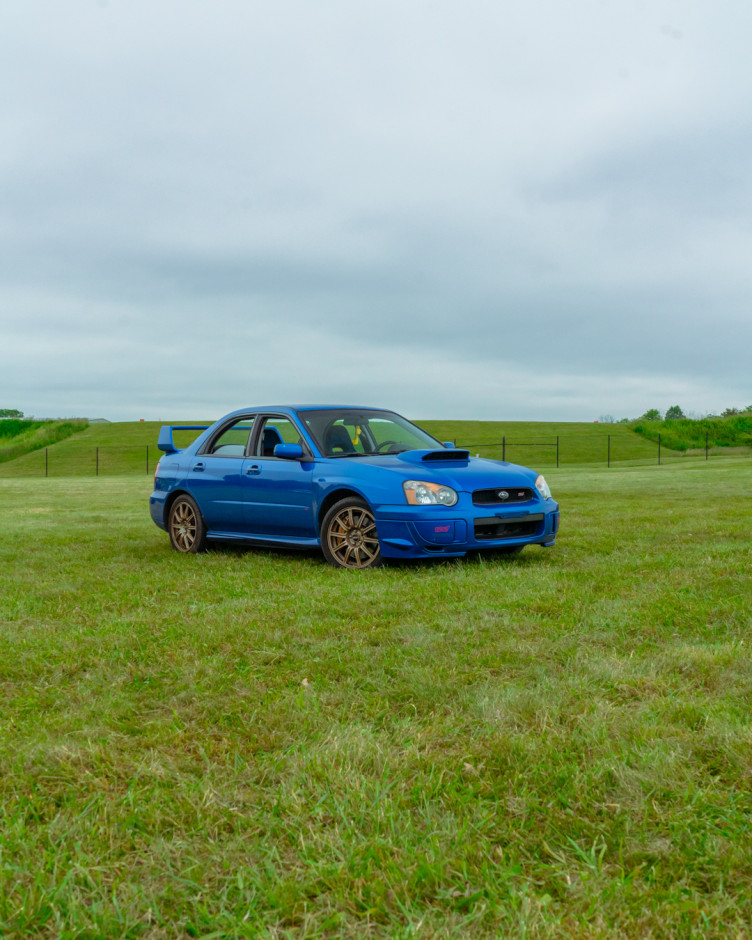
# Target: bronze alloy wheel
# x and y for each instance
(186, 527)
(348, 536)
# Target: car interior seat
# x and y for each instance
(337, 441)
(269, 441)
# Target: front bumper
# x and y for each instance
(427, 531)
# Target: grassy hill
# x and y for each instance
(131, 447)
(109, 448)
(533, 443)
(19, 437)
(689, 434)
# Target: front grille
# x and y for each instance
(512, 528)
(515, 494)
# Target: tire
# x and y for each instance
(348, 535)
(186, 527)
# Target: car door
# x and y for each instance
(216, 476)
(278, 493)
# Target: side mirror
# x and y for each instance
(288, 451)
(450, 444)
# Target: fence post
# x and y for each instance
(609, 451)
(97, 462)
(504, 447)
(659, 450)
(557, 451)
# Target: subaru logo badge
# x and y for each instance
(502, 494)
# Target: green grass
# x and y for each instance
(254, 744)
(131, 447)
(688, 434)
(12, 427)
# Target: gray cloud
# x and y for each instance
(487, 210)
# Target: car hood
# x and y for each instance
(463, 473)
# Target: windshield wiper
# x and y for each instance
(373, 453)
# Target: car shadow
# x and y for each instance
(472, 558)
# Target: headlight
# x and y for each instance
(418, 493)
(542, 487)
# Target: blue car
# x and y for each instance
(361, 484)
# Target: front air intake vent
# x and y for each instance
(495, 528)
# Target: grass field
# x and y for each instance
(253, 744)
(131, 447)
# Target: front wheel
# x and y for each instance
(348, 535)
(186, 526)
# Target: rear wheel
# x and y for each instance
(186, 526)
(348, 535)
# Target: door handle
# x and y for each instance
(198, 468)
(253, 469)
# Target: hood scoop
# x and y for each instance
(435, 456)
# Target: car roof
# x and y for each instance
(291, 408)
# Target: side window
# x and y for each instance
(232, 441)
(276, 430)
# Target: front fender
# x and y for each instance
(373, 487)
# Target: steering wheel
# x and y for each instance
(385, 444)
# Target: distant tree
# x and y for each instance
(730, 412)
(624, 421)
(10, 413)
(652, 414)
(674, 413)
(606, 419)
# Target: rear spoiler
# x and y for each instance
(166, 442)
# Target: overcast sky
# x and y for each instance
(479, 209)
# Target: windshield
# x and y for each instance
(351, 433)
